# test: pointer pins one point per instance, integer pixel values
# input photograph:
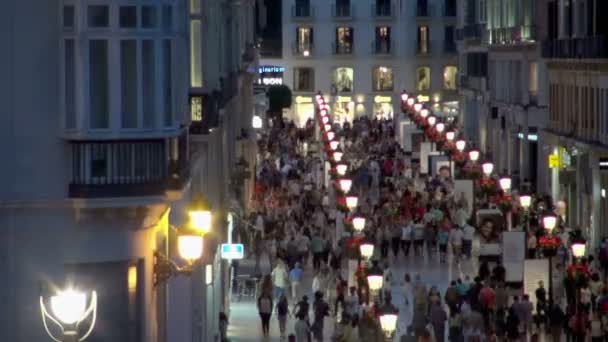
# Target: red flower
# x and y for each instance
(551, 242)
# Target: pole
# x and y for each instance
(551, 279)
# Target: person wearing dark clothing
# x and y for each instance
(512, 326)
(499, 272)
(556, 319)
(541, 304)
(484, 271)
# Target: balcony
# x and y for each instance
(128, 168)
(471, 32)
(342, 49)
(302, 12)
(383, 11)
(512, 35)
(382, 48)
(588, 47)
(342, 12)
(302, 50)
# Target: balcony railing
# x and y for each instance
(382, 11)
(588, 47)
(302, 50)
(382, 47)
(343, 49)
(127, 168)
(342, 11)
(512, 35)
(302, 11)
(471, 31)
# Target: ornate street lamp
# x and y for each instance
(345, 184)
(487, 168)
(410, 101)
(424, 113)
(199, 213)
(341, 169)
(337, 155)
(375, 278)
(68, 310)
(474, 155)
(417, 107)
(549, 221)
(404, 97)
(359, 223)
(525, 201)
(333, 145)
(431, 120)
(256, 122)
(327, 127)
(388, 315)
(366, 248)
(325, 119)
(351, 202)
(505, 183)
(461, 144)
(450, 135)
(578, 249)
(330, 135)
(439, 127)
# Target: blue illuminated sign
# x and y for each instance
(232, 251)
(269, 68)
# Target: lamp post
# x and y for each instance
(375, 280)
(549, 223)
(345, 184)
(366, 248)
(461, 144)
(487, 168)
(474, 155)
(199, 213)
(358, 223)
(578, 251)
(68, 310)
(450, 135)
(388, 316)
(351, 202)
(331, 135)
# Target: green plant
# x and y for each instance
(279, 97)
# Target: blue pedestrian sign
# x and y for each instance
(232, 251)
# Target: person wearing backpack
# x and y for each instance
(265, 309)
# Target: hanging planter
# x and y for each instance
(579, 273)
(504, 203)
(472, 171)
(459, 159)
(352, 247)
(488, 186)
(549, 245)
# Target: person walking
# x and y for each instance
(295, 277)
(456, 239)
(280, 278)
(437, 318)
(282, 313)
(468, 232)
(556, 319)
(406, 238)
(320, 311)
(265, 307)
(302, 329)
(317, 246)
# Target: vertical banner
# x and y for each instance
(490, 225)
(514, 255)
(425, 152)
(463, 193)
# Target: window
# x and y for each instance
(449, 42)
(128, 83)
(98, 16)
(423, 39)
(304, 38)
(68, 17)
(304, 79)
(450, 8)
(383, 8)
(383, 39)
(168, 18)
(422, 8)
(99, 95)
(342, 8)
(195, 6)
(342, 80)
(382, 77)
(148, 82)
(344, 40)
(302, 8)
(449, 77)
(148, 17)
(69, 89)
(423, 78)
(196, 108)
(128, 17)
(533, 79)
(196, 62)
(167, 83)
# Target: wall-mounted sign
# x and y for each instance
(272, 80)
(554, 161)
(303, 99)
(603, 163)
(382, 99)
(270, 69)
(271, 75)
(423, 98)
(344, 99)
(531, 137)
(232, 251)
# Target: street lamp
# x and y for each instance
(417, 107)
(359, 223)
(461, 144)
(578, 249)
(69, 309)
(338, 155)
(341, 169)
(199, 213)
(487, 168)
(351, 202)
(525, 201)
(256, 122)
(450, 135)
(474, 155)
(333, 145)
(366, 248)
(431, 120)
(323, 112)
(327, 127)
(424, 113)
(440, 126)
(375, 279)
(549, 221)
(505, 183)
(410, 101)
(404, 97)
(325, 119)
(331, 135)
(190, 248)
(388, 319)
(345, 184)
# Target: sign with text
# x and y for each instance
(232, 251)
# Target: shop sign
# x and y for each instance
(270, 68)
(303, 99)
(603, 163)
(272, 80)
(554, 161)
(344, 99)
(232, 251)
(382, 99)
(423, 98)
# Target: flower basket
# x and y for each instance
(472, 171)
(432, 135)
(549, 245)
(341, 204)
(352, 247)
(488, 186)
(459, 159)
(579, 273)
(504, 203)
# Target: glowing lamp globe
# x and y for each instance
(417, 107)
(331, 135)
(450, 135)
(424, 113)
(431, 120)
(256, 122)
(325, 119)
(440, 126)
(200, 220)
(404, 97)
(505, 183)
(359, 223)
(69, 306)
(487, 168)
(323, 113)
(525, 201)
(388, 322)
(334, 145)
(367, 250)
(345, 184)
(410, 101)
(549, 221)
(375, 281)
(190, 246)
(351, 202)
(341, 169)
(474, 155)
(318, 97)
(338, 156)
(460, 144)
(327, 127)
(578, 249)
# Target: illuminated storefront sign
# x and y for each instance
(303, 99)
(272, 80)
(271, 75)
(270, 69)
(423, 98)
(344, 99)
(382, 99)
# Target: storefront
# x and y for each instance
(303, 109)
(383, 107)
(343, 109)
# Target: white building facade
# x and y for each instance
(362, 54)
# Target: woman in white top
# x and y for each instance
(406, 238)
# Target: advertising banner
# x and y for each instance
(514, 255)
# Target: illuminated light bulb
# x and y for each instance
(190, 247)
(450, 135)
(410, 101)
(461, 144)
(338, 156)
(424, 113)
(418, 107)
(69, 306)
(333, 144)
(431, 120)
(331, 135)
(345, 184)
(474, 155)
(351, 202)
(525, 201)
(440, 126)
(341, 169)
(505, 183)
(487, 168)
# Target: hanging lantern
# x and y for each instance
(549, 221)
(327, 127)
(461, 144)
(417, 107)
(410, 101)
(505, 183)
(487, 168)
(525, 201)
(431, 120)
(331, 135)
(578, 249)
(424, 113)
(439, 127)
(359, 223)
(351, 202)
(366, 248)
(345, 184)
(325, 119)
(337, 155)
(474, 155)
(450, 135)
(404, 97)
(341, 169)
(333, 145)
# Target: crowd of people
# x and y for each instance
(297, 225)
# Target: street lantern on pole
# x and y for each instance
(68, 310)
(331, 135)
(431, 120)
(487, 168)
(474, 155)
(388, 315)
(578, 249)
(345, 184)
(549, 221)
(439, 127)
(424, 113)
(351, 202)
(410, 101)
(450, 135)
(341, 168)
(525, 201)
(375, 277)
(417, 107)
(359, 223)
(366, 248)
(461, 144)
(505, 183)
(337, 155)
(325, 119)
(404, 97)
(333, 145)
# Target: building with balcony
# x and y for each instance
(362, 54)
(97, 105)
(518, 94)
(576, 135)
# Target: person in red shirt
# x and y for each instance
(487, 300)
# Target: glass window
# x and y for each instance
(423, 39)
(70, 84)
(98, 16)
(344, 40)
(383, 78)
(148, 17)
(383, 39)
(449, 77)
(148, 76)
(196, 108)
(168, 18)
(304, 79)
(99, 96)
(128, 17)
(68, 17)
(195, 6)
(304, 39)
(196, 62)
(533, 78)
(168, 83)
(128, 83)
(423, 78)
(342, 80)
